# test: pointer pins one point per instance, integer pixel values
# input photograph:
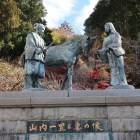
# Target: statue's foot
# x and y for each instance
(70, 89)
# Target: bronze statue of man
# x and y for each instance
(34, 58)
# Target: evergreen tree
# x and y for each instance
(9, 20)
(47, 37)
(125, 15)
(32, 11)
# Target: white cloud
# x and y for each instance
(57, 11)
(84, 14)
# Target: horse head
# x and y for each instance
(88, 45)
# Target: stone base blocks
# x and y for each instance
(121, 107)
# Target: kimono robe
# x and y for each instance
(34, 63)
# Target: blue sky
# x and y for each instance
(74, 12)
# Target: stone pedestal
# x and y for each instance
(120, 107)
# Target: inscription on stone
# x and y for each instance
(69, 126)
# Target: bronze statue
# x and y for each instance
(66, 54)
(112, 53)
(34, 58)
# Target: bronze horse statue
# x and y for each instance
(67, 53)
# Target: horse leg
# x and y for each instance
(64, 82)
(69, 74)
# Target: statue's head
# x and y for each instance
(40, 28)
(109, 28)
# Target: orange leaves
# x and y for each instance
(11, 77)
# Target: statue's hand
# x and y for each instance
(38, 51)
(107, 50)
(97, 54)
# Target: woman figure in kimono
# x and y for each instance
(112, 53)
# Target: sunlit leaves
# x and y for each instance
(57, 37)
